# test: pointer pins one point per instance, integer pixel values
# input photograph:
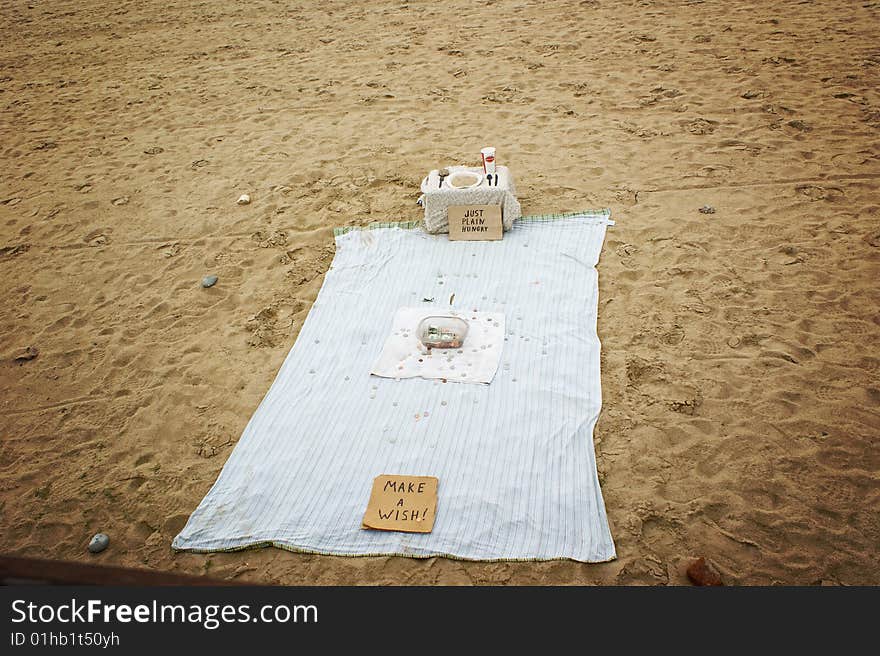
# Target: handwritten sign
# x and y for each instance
(475, 222)
(402, 503)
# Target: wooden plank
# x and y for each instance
(29, 571)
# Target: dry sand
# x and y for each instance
(741, 358)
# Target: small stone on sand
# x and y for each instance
(99, 542)
(27, 354)
(209, 281)
(701, 572)
(244, 199)
(707, 209)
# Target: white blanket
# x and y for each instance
(514, 458)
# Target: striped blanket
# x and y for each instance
(514, 458)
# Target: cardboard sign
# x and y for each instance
(475, 222)
(402, 503)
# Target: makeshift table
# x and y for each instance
(437, 199)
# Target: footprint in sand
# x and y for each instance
(817, 192)
(174, 524)
(852, 97)
(799, 125)
(84, 188)
(747, 340)
(701, 126)
(8, 252)
(778, 61)
(97, 237)
(639, 572)
(169, 250)
(626, 250)
(199, 163)
(745, 146)
(687, 406)
(673, 336)
(262, 326)
(829, 393)
(714, 171)
(751, 94)
(626, 195)
(851, 159)
(639, 370)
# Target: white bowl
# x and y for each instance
(464, 180)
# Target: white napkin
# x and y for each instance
(403, 355)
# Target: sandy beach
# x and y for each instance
(741, 346)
